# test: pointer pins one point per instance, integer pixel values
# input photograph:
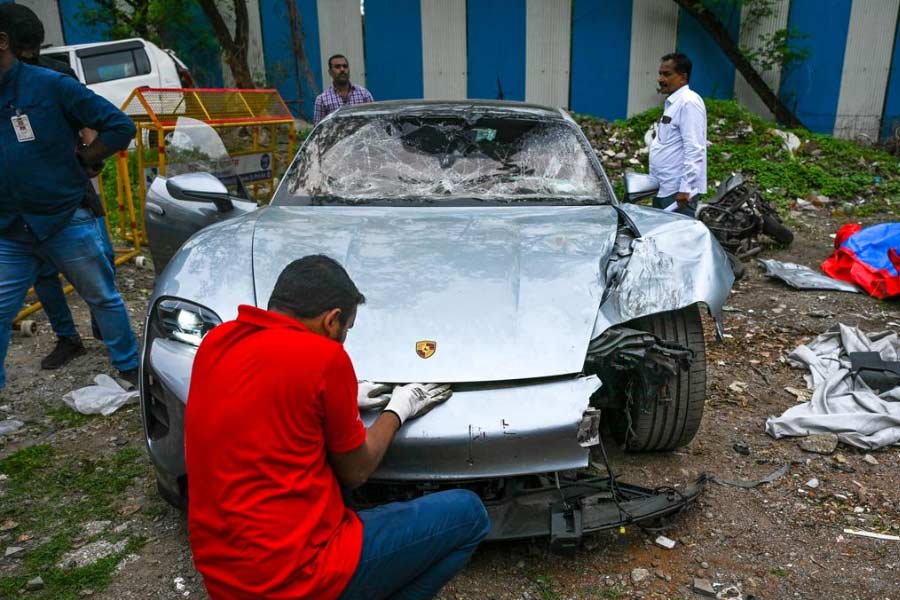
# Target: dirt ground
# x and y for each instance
(779, 540)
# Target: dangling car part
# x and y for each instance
(494, 256)
(737, 214)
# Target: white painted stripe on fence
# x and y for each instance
(340, 32)
(752, 32)
(548, 32)
(444, 49)
(48, 12)
(654, 27)
(867, 63)
(256, 59)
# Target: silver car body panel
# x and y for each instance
(506, 292)
(675, 263)
(214, 268)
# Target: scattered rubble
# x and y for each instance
(90, 553)
(35, 584)
(703, 587)
(820, 443)
(665, 542)
(10, 426)
(639, 575)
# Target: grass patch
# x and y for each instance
(50, 496)
(860, 179)
(65, 416)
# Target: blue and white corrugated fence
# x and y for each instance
(593, 56)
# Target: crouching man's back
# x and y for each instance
(272, 432)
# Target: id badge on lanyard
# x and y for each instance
(22, 127)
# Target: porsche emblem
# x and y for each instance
(425, 348)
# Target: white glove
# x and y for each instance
(372, 395)
(415, 399)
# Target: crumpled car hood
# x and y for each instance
(504, 292)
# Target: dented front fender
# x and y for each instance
(674, 263)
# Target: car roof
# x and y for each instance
(499, 108)
(93, 44)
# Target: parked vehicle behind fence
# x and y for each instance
(114, 69)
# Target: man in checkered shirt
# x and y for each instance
(341, 92)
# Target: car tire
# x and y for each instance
(176, 499)
(672, 420)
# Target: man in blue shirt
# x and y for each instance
(42, 187)
(47, 286)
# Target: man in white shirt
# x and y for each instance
(678, 149)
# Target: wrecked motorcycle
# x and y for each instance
(737, 214)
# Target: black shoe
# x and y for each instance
(66, 349)
(130, 376)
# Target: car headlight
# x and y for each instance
(184, 321)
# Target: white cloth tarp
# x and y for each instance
(841, 403)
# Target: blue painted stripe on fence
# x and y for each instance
(812, 87)
(890, 119)
(393, 32)
(281, 66)
(74, 30)
(713, 73)
(496, 48)
(601, 54)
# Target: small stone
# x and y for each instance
(703, 587)
(90, 553)
(11, 550)
(10, 425)
(92, 528)
(840, 458)
(665, 542)
(704, 565)
(870, 459)
(820, 443)
(742, 449)
(812, 483)
(639, 575)
(35, 584)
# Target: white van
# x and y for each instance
(114, 69)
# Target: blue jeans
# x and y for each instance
(77, 251)
(411, 549)
(662, 202)
(49, 289)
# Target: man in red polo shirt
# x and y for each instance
(272, 432)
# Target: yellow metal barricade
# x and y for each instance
(251, 122)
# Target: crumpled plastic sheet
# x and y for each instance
(804, 278)
(841, 403)
(103, 398)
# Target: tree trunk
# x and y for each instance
(235, 48)
(720, 35)
(301, 63)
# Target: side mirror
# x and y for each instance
(639, 185)
(200, 187)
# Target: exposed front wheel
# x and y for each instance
(672, 418)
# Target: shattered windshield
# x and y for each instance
(438, 159)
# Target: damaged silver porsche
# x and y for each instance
(494, 256)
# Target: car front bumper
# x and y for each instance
(481, 432)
